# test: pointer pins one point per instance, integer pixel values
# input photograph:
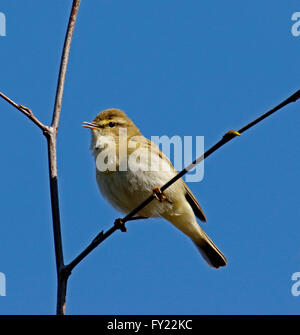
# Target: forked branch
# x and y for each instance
(50, 133)
(26, 111)
(64, 271)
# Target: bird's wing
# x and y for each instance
(194, 204)
(188, 195)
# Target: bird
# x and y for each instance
(126, 175)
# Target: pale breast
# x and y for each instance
(125, 190)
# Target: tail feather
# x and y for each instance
(210, 251)
(185, 221)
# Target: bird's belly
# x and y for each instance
(125, 190)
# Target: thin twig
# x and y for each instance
(26, 111)
(96, 241)
(225, 139)
(64, 64)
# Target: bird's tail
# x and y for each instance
(209, 250)
(189, 226)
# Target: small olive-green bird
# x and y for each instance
(126, 187)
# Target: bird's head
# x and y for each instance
(108, 125)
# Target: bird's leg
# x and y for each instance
(119, 224)
(159, 194)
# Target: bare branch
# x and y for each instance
(51, 135)
(64, 63)
(26, 111)
(99, 239)
(64, 271)
(96, 241)
(52, 157)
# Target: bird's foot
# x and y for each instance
(159, 194)
(119, 224)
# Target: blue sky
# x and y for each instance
(177, 68)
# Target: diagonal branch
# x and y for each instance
(225, 139)
(26, 111)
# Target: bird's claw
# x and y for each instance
(158, 194)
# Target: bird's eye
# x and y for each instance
(111, 124)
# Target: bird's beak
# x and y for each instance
(90, 125)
